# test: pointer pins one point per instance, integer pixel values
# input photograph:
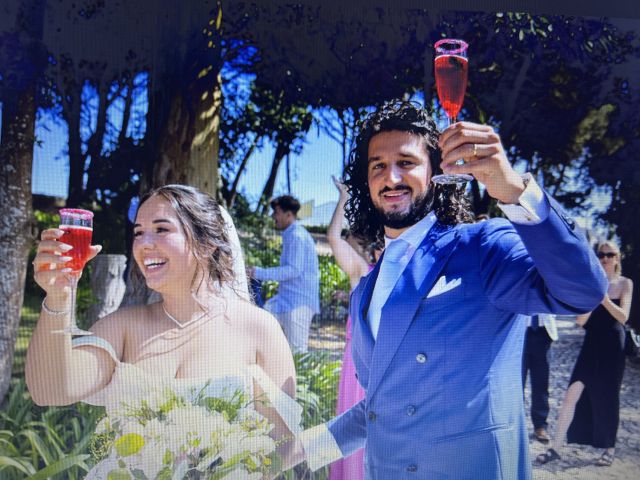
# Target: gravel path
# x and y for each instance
(577, 460)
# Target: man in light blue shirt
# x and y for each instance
(298, 276)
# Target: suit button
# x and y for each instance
(570, 221)
(372, 416)
(421, 358)
(412, 468)
(410, 410)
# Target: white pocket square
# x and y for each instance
(443, 286)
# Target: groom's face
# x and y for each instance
(399, 176)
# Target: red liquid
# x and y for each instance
(80, 239)
(451, 82)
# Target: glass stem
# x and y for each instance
(74, 290)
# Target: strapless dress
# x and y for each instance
(129, 382)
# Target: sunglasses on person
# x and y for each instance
(606, 254)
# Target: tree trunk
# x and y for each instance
(76, 157)
(233, 193)
(189, 147)
(107, 284)
(267, 191)
(17, 225)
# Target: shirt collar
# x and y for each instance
(290, 228)
(415, 233)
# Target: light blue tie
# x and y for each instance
(390, 272)
(395, 250)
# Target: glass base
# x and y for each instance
(73, 331)
(451, 178)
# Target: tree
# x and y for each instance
(23, 59)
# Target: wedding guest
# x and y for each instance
(349, 391)
(204, 337)
(298, 275)
(590, 412)
(541, 332)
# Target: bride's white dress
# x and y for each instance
(130, 382)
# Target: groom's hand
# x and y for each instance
(484, 158)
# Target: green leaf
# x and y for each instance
(22, 466)
(38, 445)
(60, 466)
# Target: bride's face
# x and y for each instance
(161, 248)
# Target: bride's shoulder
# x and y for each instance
(253, 317)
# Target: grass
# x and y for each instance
(28, 319)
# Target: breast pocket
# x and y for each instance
(444, 296)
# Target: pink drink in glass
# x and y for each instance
(80, 239)
(451, 82)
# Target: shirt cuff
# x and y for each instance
(532, 207)
(320, 447)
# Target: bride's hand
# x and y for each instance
(49, 268)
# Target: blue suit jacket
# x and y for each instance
(443, 380)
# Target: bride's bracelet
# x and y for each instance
(55, 313)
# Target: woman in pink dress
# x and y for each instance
(349, 390)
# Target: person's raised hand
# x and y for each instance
(342, 188)
(484, 157)
(49, 268)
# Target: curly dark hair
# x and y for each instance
(449, 202)
(201, 219)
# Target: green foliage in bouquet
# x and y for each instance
(166, 435)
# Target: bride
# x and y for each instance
(203, 334)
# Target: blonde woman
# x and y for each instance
(590, 412)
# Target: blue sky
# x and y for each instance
(310, 172)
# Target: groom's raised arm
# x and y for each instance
(337, 438)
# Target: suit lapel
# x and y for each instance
(414, 283)
(362, 338)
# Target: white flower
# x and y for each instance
(149, 459)
(156, 399)
(241, 474)
(103, 426)
(261, 443)
(191, 429)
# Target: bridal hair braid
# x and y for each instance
(448, 202)
(201, 219)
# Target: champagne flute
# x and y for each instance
(78, 229)
(451, 68)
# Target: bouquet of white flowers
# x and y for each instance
(168, 436)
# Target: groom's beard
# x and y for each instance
(417, 211)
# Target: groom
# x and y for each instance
(438, 325)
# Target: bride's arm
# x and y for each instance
(273, 355)
(57, 374)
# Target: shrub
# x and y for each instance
(45, 442)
